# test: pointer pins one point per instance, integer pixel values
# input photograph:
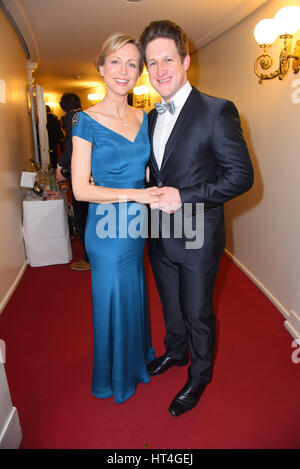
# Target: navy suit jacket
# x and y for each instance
(206, 159)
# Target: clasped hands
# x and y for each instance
(165, 198)
(168, 199)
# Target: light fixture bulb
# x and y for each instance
(288, 20)
(138, 90)
(93, 97)
(266, 31)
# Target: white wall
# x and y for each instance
(263, 225)
(15, 152)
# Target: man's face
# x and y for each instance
(166, 70)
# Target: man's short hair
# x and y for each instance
(165, 29)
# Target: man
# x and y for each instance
(54, 135)
(198, 156)
(70, 104)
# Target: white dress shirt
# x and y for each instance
(166, 121)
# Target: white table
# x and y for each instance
(46, 232)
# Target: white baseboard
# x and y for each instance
(11, 434)
(260, 285)
(292, 324)
(13, 287)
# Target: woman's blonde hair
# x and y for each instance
(115, 42)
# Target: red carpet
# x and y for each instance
(252, 402)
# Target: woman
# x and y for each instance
(70, 104)
(110, 140)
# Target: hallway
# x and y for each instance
(252, 402)
(45, 319)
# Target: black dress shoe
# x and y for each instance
(187, 398)
(163, 363)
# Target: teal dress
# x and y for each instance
(115, 241)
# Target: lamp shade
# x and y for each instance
(288, 20)
(266, 31)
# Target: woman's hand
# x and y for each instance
(144, 196)
(58, 174)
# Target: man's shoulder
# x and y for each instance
(213, 105)
(202, 97)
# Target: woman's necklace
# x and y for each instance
(126, 120)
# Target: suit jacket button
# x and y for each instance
(159, 184)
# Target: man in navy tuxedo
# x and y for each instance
(198, 156)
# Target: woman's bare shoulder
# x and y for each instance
(138, 113)
(94, 111)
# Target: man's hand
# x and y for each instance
(169, 199)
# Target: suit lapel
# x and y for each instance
(181, 122)
(152, 122)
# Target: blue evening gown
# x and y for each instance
(122, 341)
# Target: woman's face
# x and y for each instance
(121, 69)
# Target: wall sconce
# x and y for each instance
(144, 97)
(284, 25)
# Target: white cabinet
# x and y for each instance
(46, 232)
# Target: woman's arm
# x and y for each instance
(85, 191)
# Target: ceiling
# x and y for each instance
(64, 36)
